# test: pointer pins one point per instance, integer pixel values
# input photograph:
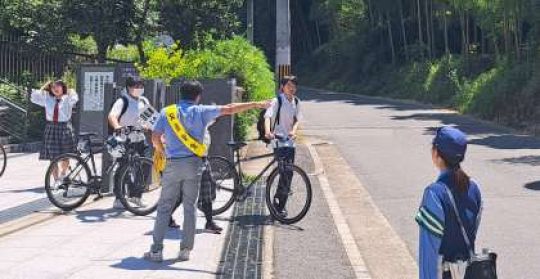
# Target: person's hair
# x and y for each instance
(190, 90)
(287, 79)
(62, 84)
(132, 82)
(459, 176)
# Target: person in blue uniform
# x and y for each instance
(443, 250)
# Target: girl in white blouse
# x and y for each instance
(58, 102)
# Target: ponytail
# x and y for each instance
(461, 179)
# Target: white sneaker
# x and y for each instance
(183, 255)
(156, 257)
(118, 204)
(137, 201)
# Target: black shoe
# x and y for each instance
(173, 225)
(283, 213)
(213, 228)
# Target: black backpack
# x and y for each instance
(125, 103)
(260, 121)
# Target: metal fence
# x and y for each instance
(20, 61)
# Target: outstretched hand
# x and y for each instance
(264, 104)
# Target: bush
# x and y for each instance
(234, 57)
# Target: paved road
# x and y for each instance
(312, 248)
(387, 144)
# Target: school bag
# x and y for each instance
(260, 121)
(125, 103)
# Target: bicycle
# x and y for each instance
(299, 193)
(3, 160)
(132, 173)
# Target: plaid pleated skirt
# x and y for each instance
(207, 191)
(58, 139)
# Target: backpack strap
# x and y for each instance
(456, 212)
(125, 104)
(278, 114)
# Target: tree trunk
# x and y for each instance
(432, 29)
(371, 18)
(463, 35)
(391, 38)
(516, 39)
(428, 33)
(446, 46)
(102, 51)
(420, 35)
(403, 31)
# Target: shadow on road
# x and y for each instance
(535, 186)
(527, 160)
(37, 190)
(133, 263)
(489, 135)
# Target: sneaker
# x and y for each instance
(283, 213)
(183, 255)
(118, 204)
(213, 228)
(137, 202)
(152, 256)
(173, 224)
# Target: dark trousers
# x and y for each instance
(136, 188)
(286, 154)
(204, 206)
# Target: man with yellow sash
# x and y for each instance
(184, 126)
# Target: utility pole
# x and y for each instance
(250, 22)
(283, 38)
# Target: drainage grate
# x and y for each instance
(242, 256)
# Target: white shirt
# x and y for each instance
(65, 107)
(290, 111)
(134, 108)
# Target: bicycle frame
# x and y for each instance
(260, 175)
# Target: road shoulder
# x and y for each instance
(383, 251)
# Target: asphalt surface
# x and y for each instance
(311, 248)
(387, 144)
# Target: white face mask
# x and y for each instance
(137, 92)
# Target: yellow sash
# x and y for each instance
(191, 143)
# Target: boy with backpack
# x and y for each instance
(125, 112)
(286, 115)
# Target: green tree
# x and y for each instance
(189, 21)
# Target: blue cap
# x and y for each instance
(451, 143)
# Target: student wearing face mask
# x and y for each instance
(58, 137)
(125, 112)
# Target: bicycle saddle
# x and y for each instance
(87, 135)
(236, 144)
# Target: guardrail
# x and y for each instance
(13, 117)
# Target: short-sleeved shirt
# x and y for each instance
(134, 108)
(46, 100)
(289, 114)
(194, 118)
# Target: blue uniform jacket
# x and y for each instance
(440, 235)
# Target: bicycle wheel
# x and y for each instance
(139, 193)
(288, 204)
(3, 160)
(67, 181)
(226, 180)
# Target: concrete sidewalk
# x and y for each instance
(100, 242)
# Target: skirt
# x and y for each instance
(58, 139)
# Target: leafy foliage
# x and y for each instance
(235, 57)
